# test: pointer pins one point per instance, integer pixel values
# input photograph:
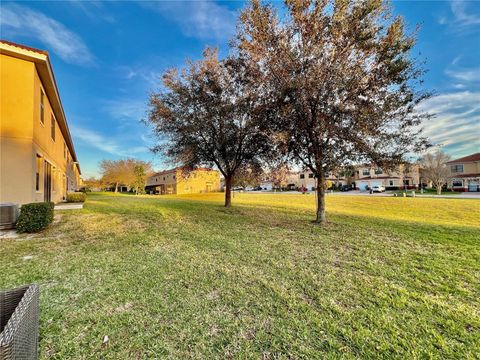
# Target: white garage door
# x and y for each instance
(362, 185)
(473, 187)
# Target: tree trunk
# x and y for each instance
(321, 217)
(116, 187)
(439, 190)
(228, 191)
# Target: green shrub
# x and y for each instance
(35, 216)
(76, 197)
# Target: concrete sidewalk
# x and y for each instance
(69, 206)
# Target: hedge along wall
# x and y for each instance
(35, 216)
(76, 197)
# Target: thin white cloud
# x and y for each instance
(456, 125)
(463, 15)
(464, 74)
(200, 19)
(126, 110)
(94, 10)
(463, 18)
(147, 74)
(106, 144)
(18, 20)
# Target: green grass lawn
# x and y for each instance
(182, 277)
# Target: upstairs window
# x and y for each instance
(456, 168)
(310, 176)
(52, 127)
(378, 171)
(366, 172)
(302, 176)
(42, 107)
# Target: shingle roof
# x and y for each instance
(379, 177)
(163, 172)
(469, 158)
(24, 47)
(465, 175)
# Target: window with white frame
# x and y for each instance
(456, 168)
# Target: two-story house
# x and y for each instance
(176, 181)
(37, 156)
(306, 179)
(404, 176)
(464, 173)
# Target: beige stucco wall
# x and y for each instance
(23, 136)
(198, 182)
(468, 168)
(176, 182)
(16, 130)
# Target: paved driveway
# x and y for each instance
(465, 195)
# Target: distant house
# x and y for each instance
(464, 173)
(306, 179)
(37, 156)
(405, 176)
(177, 181)
(266, 185)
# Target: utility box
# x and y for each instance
(8, 215)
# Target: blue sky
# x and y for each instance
(108, 56)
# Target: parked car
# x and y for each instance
(257, 188)
(377, 188)
(237, 188)
(346, 188)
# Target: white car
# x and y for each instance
(377, 188)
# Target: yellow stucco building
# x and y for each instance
(176, 181)
(37, 156)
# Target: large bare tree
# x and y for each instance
(343, 81)
(434, 169)
(211, 114)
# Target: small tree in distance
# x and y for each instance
(129, 172)
(248, 176)
(434, 169)
(140, 178)
(211, 114)
(93, 183)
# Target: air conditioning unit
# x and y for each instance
(8, 215)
